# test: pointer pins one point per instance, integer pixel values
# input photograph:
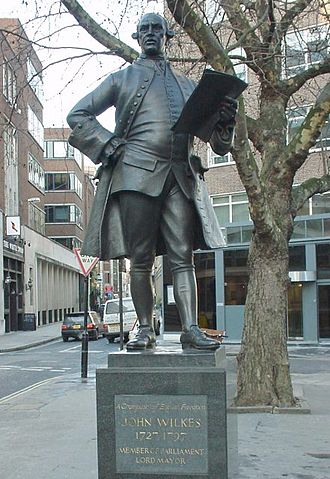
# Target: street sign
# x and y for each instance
(86, 263)
(13, 226)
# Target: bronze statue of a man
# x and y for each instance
(145, 202)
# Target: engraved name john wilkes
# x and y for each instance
(147, 199)
(171, 422)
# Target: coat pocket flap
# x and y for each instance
(143, 163)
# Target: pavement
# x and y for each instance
(49, 430)
(18, 340)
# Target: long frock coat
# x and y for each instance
(125, 90)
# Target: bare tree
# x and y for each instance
(267, 165)
(266, 161)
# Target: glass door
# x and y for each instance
(295, 316)
(324, 311)
(205, 274)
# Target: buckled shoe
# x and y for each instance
(145, 339)
(196, 339)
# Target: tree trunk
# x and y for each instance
(263, 366)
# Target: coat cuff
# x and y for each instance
(90, 137)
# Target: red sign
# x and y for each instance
(86, 263)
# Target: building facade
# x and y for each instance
(222, 275)
(30, 262)
(69, 191)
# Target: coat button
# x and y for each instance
(146, 79)
(79, 125)
(135, 103)
(143, 87)
(139, 94)
(131, 112)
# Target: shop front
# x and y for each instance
(13, 267)
(222, 278)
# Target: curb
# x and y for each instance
(28, 346)
(301, 408)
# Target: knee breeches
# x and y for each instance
(146, 219)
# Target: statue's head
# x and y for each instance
(152, 34)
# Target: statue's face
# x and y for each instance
(151, 34)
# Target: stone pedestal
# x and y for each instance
(168, 355)
(163, 414)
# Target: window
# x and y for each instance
(305, 48)
(231, 208)
(10, 145)
(62, 149)
(78, 157)
(296, 117)
(238, 234)
(35, 127)
(67, 241)
(323, 261)
(319, 204)
(36, 218)
(36, 173)
(63, 214)
(58, 149)
(63, 182)
(239, 67)
(35, 80)
(297, 261)
(10, 169)
(215, 160)
(9, 83)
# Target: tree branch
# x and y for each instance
(249, 173)
(297, 150)
(201, 34)
(253, 127)
(116, 46)
(239, 22)
(307, 189)
(272, 21)
(297, 8)
(262, 13)
(291, 85)
(257, 51)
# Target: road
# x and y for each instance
(49, 429)
(22, 370)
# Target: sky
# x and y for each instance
(65, 82)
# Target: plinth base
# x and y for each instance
(164, 414)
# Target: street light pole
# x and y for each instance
(84, 343)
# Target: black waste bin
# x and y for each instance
(29, 322)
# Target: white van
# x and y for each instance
(111, 320)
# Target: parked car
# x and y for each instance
(73, 325)
(111, 319)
